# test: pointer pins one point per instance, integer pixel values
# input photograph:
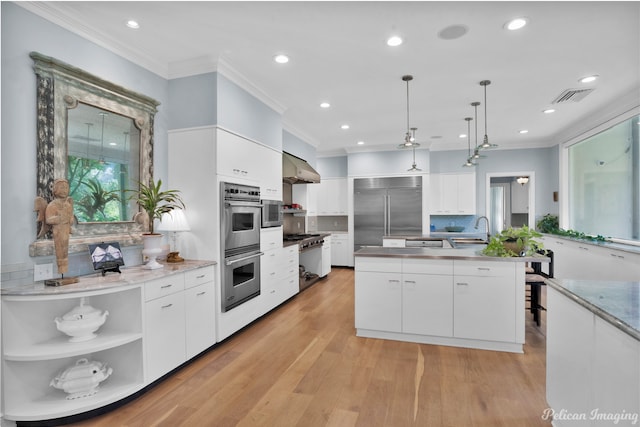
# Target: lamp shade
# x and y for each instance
(174, 221)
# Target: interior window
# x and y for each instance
(604, 182)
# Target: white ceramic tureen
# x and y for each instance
(82, 379)
(81, 322)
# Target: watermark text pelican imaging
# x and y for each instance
(596, 414)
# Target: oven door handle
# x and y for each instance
(243, 204)
(257, 254)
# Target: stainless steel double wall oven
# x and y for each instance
(240, 241)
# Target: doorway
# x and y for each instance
(510, 201)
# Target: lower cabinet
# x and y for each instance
(340, 250)
(279, 276)
(593, 368)
(325, 267)
(200, 314)
(485, 301)
(164, 336)
(450, 302)
(378, 301)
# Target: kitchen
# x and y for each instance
(265, 126)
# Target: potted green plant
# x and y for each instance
(155, 203)
(513, 242)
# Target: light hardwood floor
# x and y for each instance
(302, 365)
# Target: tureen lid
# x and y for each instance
(81, 312)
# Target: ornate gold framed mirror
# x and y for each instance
(98, 136)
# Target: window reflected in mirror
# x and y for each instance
(101, 145)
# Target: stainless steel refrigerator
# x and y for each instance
(384, 207)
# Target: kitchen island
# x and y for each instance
(593, 352)
(456, 297)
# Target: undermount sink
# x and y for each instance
(456, 241)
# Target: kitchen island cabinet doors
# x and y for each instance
(378, 301)
(475, 304)
(485, 301)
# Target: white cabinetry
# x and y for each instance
(238, 157)
(332, 197)
(325, 266)
(307, 196)
(453, 194)
(165, 344)
(278, 269)
(340, 251)
(34, 351)
(581, 260)
(485, 300)
(438, 301)
(378, 291)
(590, 364)
(427, 297)
(200, 316)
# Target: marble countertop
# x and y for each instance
(616, 302)
(469, 252)
(129, 276)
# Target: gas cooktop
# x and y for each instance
(297, 237)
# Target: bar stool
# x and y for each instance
(536, 280)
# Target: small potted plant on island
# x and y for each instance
(155, 203)
(513, 242)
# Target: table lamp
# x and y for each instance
(174, 221)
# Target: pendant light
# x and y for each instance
(485, 142)
(414, 167)
(476, 150)
(469, 162)
(410, 136)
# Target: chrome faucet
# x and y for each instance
(478, 222)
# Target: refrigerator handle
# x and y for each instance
(388, 232)
(384, 214)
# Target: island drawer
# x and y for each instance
(428, 266)
(389, 265)
(480, 268)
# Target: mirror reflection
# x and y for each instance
(101, 145)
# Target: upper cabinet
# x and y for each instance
(453, 194)
(332, 197)
(241, 158)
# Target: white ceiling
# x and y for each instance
(338, 54)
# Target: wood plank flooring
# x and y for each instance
(302, 365)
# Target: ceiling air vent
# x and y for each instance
(574, 95)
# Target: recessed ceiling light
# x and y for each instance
(113, 144)
(516, 24)
(462, 135)
(549, 111)
(588, 79)
(523, 131)
(345, 127)
(325, 105)
(360, 142)
(133, 24)
(394, 41)
(281, 59)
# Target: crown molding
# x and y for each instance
(56, 13)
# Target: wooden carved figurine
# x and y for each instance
(59, 215)
(40, 206)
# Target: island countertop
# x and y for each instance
(615, 302)
(129, 276)
(471, 253)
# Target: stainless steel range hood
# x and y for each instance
(297, 171)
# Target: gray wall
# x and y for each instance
(24, 32)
